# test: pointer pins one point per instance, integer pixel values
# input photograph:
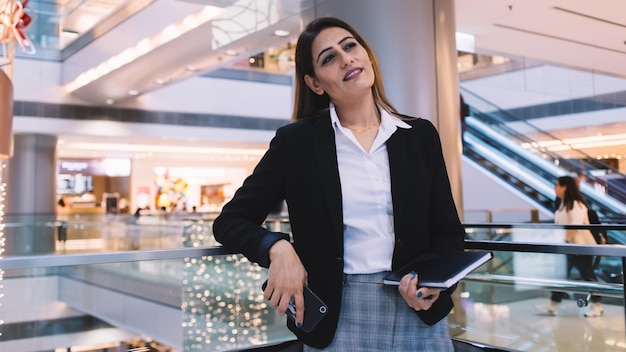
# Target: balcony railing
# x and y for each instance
(196, 296)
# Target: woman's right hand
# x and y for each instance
(286, 278)
(418, 298)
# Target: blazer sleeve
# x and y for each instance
(239, 225)
(447, 232)
(445, 228)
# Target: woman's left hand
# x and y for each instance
(418, 299)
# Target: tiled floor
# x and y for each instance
(518, 326)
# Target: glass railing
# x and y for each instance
(501, 215)
(92, 233)
(191, 300)
(198, 297)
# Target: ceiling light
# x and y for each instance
(281, 33)
(69, 34)
(580, 143)
(144, 46)
(232, 52)
(192, 68)
(171, 32)
(465, 42)
(160, 81)
(133, 92)
(110, 101)
(149, 148)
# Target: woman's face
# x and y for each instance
(342, 66)
(559, 190)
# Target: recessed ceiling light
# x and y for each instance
(69, 33)
(232, 52)
(160, 81)
(133, 92)
(110, 101)
(192, 68)
(465, 42)
(281, 33)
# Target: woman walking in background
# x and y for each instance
(572, 210)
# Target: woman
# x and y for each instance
(572, 210)
(366, 191)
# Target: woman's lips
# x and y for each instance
(353, 74)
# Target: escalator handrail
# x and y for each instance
(499, 110)
(543, 164)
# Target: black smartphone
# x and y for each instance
(314, 309)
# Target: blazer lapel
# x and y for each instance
(326, 158)
(397, 149)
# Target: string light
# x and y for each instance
(3, 189)
(223, 305)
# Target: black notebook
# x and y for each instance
(440, 270)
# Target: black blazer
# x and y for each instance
(301, 168)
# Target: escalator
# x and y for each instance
(491, 140)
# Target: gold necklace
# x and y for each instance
(356, 130)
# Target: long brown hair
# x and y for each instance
(572, 192)
(307, 103)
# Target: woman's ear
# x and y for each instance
(313, 84)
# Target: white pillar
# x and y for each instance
(31, 195)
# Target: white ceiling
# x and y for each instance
(581, 34)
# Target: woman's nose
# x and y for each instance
(346, 59)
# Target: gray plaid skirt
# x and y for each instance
(375, 317)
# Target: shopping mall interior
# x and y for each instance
(143, 117)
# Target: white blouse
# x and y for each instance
(366, 197)
(575, 216)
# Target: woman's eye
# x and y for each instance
(328, 59)
(349, 46)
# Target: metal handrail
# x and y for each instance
(546, 225)
(608, 250)
(604, 289)
(54, 260)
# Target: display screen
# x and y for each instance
(95, 167)
(74, 184)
